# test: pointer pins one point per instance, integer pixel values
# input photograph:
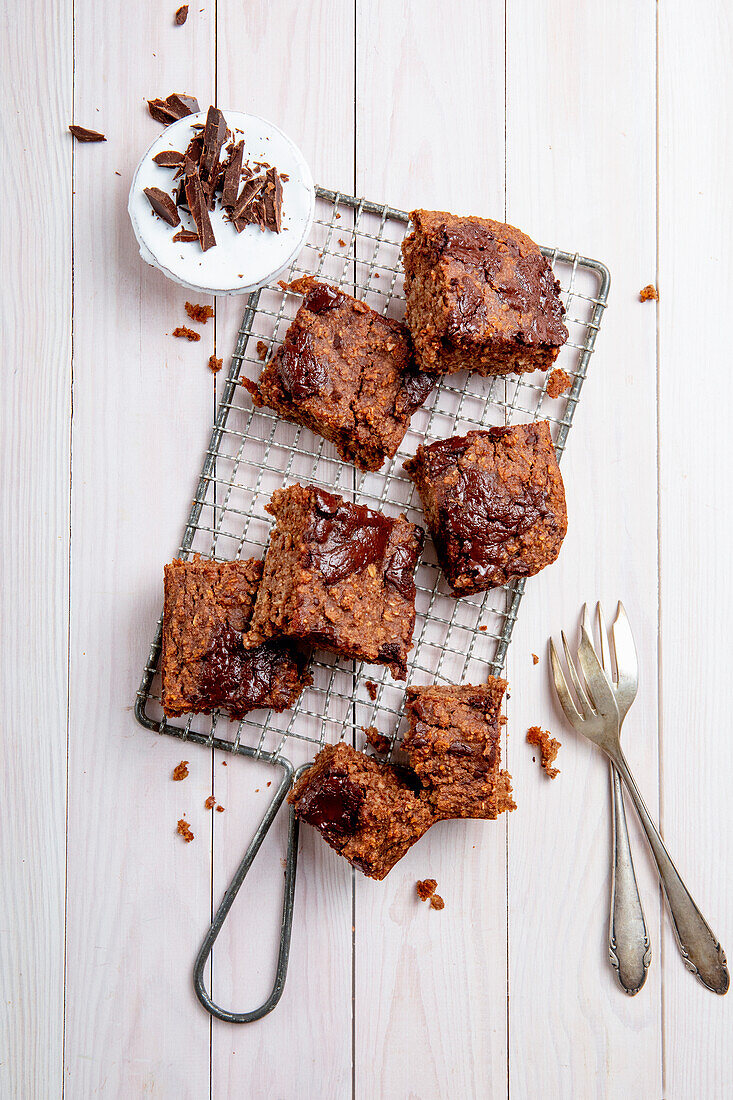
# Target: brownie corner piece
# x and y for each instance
(494, 502)
(453, 746)
(364, 809)
(480, 295)
(339, 576)
(205, 663)
(347, 373)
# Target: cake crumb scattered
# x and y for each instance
(548, 747)
(181, 770)
(210, 802)
(185, 830)
(649, 293)
(426, 888)
(535, 659)
(484, 627)
(337, 216)
(342, 242)
(262, 350)
(377, 740)
(220, 809)
(436, 902)
(371, 689)
(188, 333)
(558, 383)
(197, 313)
(215, 364)
(224, 763)
(269, 782)
(181, 15)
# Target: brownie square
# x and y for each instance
(453, 745)
(480, 296)
(340, 576)
(345, 372)
(208, 607)
(367, 811)
(494, 502)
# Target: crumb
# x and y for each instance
(371, 689)
(269, 783)
(284, 176)
(558, 383)
(649, 293)
(220, 809)
(181, 15)
(376, 274)
(436, 902)
(261, 350)
(215, 364)
(337, 216)
(483, 628)
(426, 888)
(181, 771)
(224, 763)
(187, 332)
(535, 659)
(377, 740)
(548, 747)
(210, 802)
(257, 790)
(185, 830)
(118, 173)
(342, 242)
(197, 313)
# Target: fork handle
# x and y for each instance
(700, 948)
(629, 946)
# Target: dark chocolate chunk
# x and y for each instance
(232, 175)
(344, 538)
(272, 198)
(321, 297)
(182, 105)
(163, 205)
(237, 678)
(161, 112)
(399, 570)
(199, 211)
(248, 194)
(301, 372)
(215, 132)
(181, 15)
(186, 235)
(169, 158)
(332, 805)
(418, 384)
(82, 134)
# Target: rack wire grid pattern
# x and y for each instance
(355, 245)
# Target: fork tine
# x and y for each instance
(627, 666)
(596, 679)
(563, 691)
(605, 651)
(585, 705)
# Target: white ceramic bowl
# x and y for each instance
(240, 262)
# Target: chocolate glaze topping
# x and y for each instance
(344, 539)
(237, 678)
(333, 806)
(301, 372)
(321, 297)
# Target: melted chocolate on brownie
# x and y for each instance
(238, 678)
(322, 297)
(332, 806)
(301, 372)
(343, 539)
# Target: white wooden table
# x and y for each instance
(598, 127)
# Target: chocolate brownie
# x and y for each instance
(339, 576)
(208, 607)
(494, 502)
(453, 745)
(346, 373)
(366, 810)
(480, 296)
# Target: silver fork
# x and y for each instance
(629, 945)
(598, 720)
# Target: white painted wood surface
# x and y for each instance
(597, 127)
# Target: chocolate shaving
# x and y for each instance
(163, 205)
(199, 212)
(232, 175)
(181, 15)
(169, 158)
(273, 200)
(248, 194)
(186, 235)
(82, 134)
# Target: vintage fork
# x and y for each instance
(598, 720)
(629, 945)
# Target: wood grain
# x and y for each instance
(139, 897)
(696, 451)
(431, 986)
(35, 409)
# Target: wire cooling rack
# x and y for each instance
(355, 244)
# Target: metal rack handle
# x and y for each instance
(231, 893)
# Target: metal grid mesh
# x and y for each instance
(356, 245)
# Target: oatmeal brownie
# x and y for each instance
(480, 296)
(494, 502)
(366, 810)
(208, 607)
(339, 576)
(453, 746)
(345, 372)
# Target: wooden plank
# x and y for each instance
(430, 994)
(696, 451)
(35, 342)
(581, 175)
(299, 73)
(139, 898)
